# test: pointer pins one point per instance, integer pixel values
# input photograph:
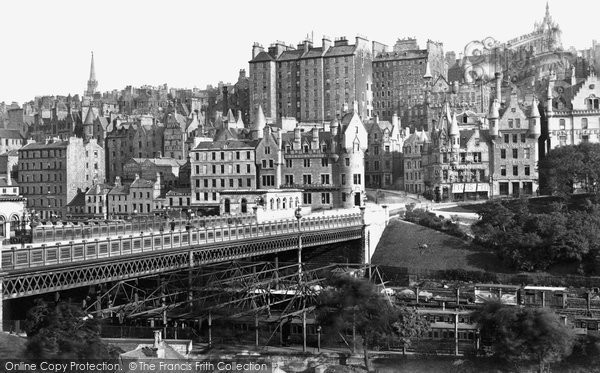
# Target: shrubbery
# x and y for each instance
(430, 220)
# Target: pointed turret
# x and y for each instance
(493, 116)
(89, 117)
(230, 117)
(395, 120)
(260, 122)
(454, 131)
(549, 95)
(427, 75)
(534, 121)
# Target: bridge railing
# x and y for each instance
(101, 229)
(54, 253)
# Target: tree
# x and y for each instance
(525, 334)
(408, 326)
(572, 167)
(355, 304)
(63, 331)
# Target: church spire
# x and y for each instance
(92, 83)
(92, 70)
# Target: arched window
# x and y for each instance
(284, 203)
(14, 224)
(561, 124)
(244, 207)
(297, 201)
(271, 204)
(278, 203)
(584, 123)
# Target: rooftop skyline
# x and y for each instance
(47, 45)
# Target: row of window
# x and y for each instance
(515, 153)
(220, 169)
(42, 154)
(229, 156)
(222, 182)
(376, 165)
(40, 177)
(515, 170)
(584, 124)
(515, 138)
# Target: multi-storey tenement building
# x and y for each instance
(148, 168)
(515, 146)
(458, 158)
(221, 165)
(140, 138)
(263, 81)
(415, 161)
(326, 164)
(572, 112)
(383, 160)
(50, 173)
(400, 77)
(311, 83)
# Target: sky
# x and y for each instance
(46, 45)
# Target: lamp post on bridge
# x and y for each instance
(298, 215)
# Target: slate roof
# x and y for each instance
(341, 50)
(3, 182)
(290, 55)
(54, 145)
(262, 57)
(78, 200)
(231, 144)
(10, 134)
(142, 183)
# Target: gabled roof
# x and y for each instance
(341, 50)
(290, 55)
(262, 57)
(313, 53)
(122, 189)
(90, 116)
(227, 144)
(3, 182)
(54, 145)
(78, 200)
(142, 183)
(104, 188)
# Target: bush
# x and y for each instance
(430, 220)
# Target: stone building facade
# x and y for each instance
(311, 83)
(458, 159)
(514, 131)
(572, 112)
(400, 77)
(218, 166)
(50, 173)
(383, 161)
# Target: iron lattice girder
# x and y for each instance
(23, 284)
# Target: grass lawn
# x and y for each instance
(399, 247)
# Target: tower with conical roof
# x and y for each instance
(92, 83)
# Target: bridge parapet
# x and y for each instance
(40, 255)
